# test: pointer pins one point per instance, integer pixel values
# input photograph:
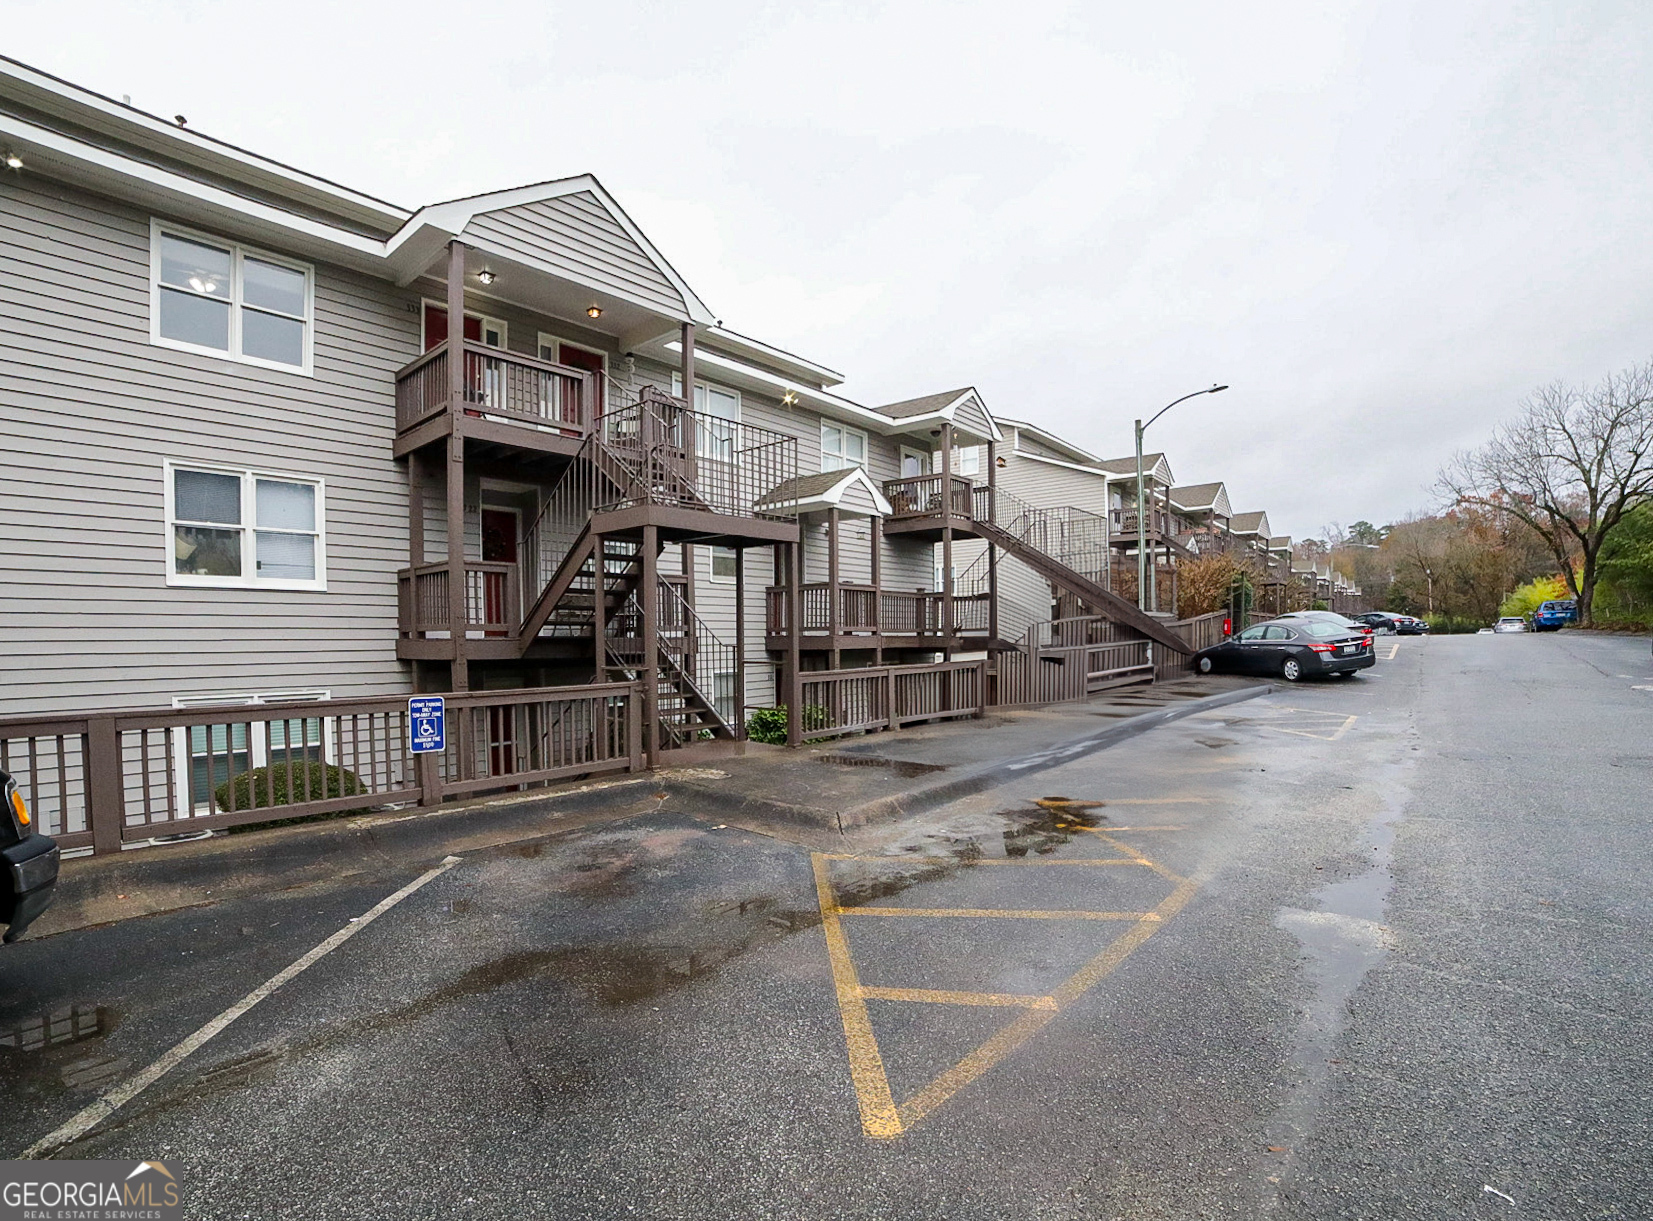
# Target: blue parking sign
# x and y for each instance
(427, 724)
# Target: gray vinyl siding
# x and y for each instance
(575, 236)
(715, 604)
(90, 410)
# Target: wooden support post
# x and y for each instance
(599, 608)
(105, 786)
(459, 678)
(687, 366)
(947, 539)
(992, 551)
(416, 509)
(429, 772)
(878, 590)
(834, 610)
(794, 633)
(740, 643)
(651, 642)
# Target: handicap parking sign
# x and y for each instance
(427, 724)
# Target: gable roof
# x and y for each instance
(1154, 466)
(569, 225)
(962, 408)
(1249, 523)
(1198, 496)
(850, 489)
(1280, 542)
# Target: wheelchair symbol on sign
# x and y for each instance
(427, 724)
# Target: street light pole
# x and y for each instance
(1149, 592)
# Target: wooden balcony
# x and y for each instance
(1161, 525)
(923, 504)
(503, 397)
(493, 610)
(868, 617)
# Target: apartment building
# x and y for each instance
(253, 459)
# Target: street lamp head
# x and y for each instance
(1215, 389)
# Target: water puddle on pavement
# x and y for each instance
(905, 768)
(58, 1051)
(1343, 937)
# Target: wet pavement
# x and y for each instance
(1368, 948)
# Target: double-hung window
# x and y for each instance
(723, 565)
(246, 529)
(208, 295)
(842, 447)
(717, 419)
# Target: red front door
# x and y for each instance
(436, 326)
(499, 546)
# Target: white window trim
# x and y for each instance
(847, 431)
(711, 567)
(486, 321)
(925, 461)
(708, 387)
(258, 739)
(238, 251)
(248, 527)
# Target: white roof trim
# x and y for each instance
(127, 122)
(779, 358)
(1072, 466)
(1024, 426)
(833, 497)
(808, 396)
(90, 161)
(452, 216)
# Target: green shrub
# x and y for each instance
(1529, 597)
(1320, 604)
(769, 724)
(283, 784)
(1449, 625)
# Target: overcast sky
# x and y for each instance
(1382, 224)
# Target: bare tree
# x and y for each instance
(1570, 467)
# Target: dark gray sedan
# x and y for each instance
(1292, 649)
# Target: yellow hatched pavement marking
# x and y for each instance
(929, 996)
(881, 1117)
(1017, 913)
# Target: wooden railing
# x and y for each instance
(493, 599)
(921, 496)
(101, 779)
(497, 383)
(657, 451)
(1122, 524)
(1040, 672)
(1202, 631)
(837, 702)
(867, 610)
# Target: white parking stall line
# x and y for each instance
(129, 1089)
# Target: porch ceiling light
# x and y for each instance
(790, 398)
(593, 311)
(13, 161)
(486, 276)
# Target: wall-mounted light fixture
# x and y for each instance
(13, 161)
(789, 399)
(1000, 462)
(486, 276)
(593, 311)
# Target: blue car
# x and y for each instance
(1553, 616)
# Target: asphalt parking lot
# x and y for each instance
(1361, 948)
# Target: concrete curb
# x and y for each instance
(992, 775)
(710, 802)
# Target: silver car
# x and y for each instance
(1510, 623)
